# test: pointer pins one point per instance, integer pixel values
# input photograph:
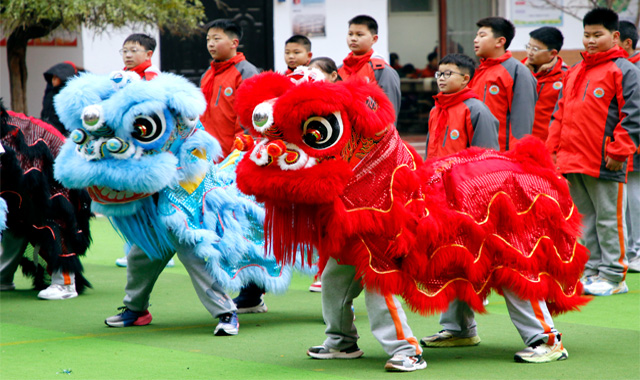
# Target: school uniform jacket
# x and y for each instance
(220, 119)
(470, 123)
(549, 86)
(601, 119)
(634, 161)
(508, 88)
(378, 71)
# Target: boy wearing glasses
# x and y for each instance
(137, 51)
(459, 119)
(504, 84)
(549, 70)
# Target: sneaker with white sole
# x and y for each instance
(228, 325)
(58, 292)
(405, 363)
(316, 287)
(603, 287)
(540, 352)
(445, 339)
(634, 265)
(587, 280)
(128, 318)
(323, 352)
(247, 306)
(122, 262)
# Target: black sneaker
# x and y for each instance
(322, 352)
(250, 300)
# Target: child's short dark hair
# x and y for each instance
(145, 40)
(299, 39)
(463, 61)
(229, 27)
(628, 31)
(601, 16)
(325, 64)
(550, 36)
(431, 56)
(368, 21)
(501, 27)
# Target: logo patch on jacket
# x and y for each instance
(557, 85)
(228, 91)
(454, 134)
(598, 92)
(494, 90)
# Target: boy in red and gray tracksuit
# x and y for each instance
(220, 82)
(362, 63)
(592, 133)
(549, 70)
(628, 41)
(504, 84)
(459, 119)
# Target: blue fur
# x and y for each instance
(215, 220)
(3, 215)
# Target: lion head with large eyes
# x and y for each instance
(311, 135)
(127, 135)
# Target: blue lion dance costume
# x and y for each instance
(141, 152)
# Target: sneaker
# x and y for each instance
(587, 280)
(121, 262)
(7, 287)
(634, 265)
(404, 363)
(540, 352)
(604, 287)
(228, 325)
(128, 318)
(322, 352)
(246, 307)
(445, 339)
(58, 292)
(316, 287)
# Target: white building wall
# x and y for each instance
(413, 35)
(334, 45)
(97, 53)
(39, 60)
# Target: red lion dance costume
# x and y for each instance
(333, 173)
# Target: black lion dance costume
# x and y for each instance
(47, 224)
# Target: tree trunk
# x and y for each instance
(17, 60)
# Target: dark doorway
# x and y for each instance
(188, 55)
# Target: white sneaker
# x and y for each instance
(603, 287)
(445, 339)
(405, 363)
(587, 280)
(634, 265)
(122, 262)
(58, 292)
(316, 287)
(541, 353)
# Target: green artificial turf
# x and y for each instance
(68, 339)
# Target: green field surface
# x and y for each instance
(69, 340)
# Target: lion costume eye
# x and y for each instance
(149, 128)
(322, 132)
